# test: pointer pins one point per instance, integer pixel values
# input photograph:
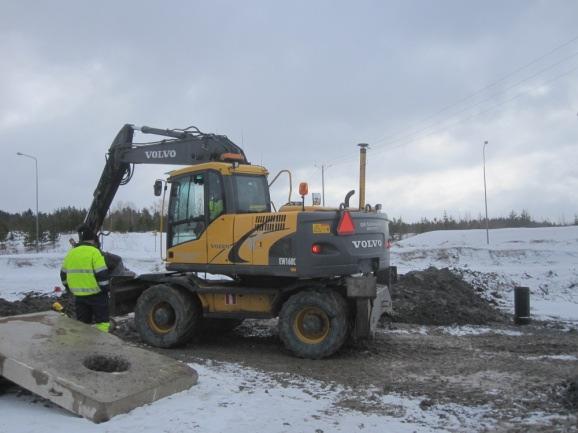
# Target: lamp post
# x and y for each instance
(486, 194)
(36, 172)
(323, 167)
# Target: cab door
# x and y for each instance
(220, 228)
(186, 236)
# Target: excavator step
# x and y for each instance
(86, 371)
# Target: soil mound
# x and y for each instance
(439, 297)
(31, 303)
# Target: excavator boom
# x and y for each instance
(181, 147)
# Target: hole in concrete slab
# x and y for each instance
(106, 363)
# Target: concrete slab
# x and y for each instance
(88, 372)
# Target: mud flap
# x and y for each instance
(368, 312)
(381, 304)
(371, 301)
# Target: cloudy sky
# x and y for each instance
(298, 84)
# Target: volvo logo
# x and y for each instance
(372, 243)
(160, 154)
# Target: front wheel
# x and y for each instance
(314, 324)
(166, 316)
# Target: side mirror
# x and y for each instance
(303, 189)
(158, 187)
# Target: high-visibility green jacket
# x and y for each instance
(215, 209)
(84, 271)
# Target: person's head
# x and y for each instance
(85, 234)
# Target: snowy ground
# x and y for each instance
(231, 397)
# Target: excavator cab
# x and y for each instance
(208, 204)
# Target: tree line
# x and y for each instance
(126, 218)
(398, 228)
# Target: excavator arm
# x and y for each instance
(181, 147)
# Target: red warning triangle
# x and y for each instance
(345, 226)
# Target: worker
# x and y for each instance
(215, 207)
(84, 273)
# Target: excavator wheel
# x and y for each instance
(314, 323)
(166, 316)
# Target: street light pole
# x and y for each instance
(323, 168)
(36, 172)
(323, 184)
(486, 194)
(362, 163)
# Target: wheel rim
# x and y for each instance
(311, 325)
(162, 318)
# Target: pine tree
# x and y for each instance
(53, 236)
(30, 237)
(43, 239)
(4, 233)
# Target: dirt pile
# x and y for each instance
(439, 297)
(33, 302)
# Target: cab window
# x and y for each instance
(215, 195)
(252, 193)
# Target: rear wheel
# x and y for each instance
(166, 316)
(314, 324)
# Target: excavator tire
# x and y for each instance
(314, 323)
(166, 316)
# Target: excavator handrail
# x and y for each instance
(290, 182)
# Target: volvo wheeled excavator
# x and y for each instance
(323, 272)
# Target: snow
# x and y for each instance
(459, 331)
(230, 397)
(551, 357)
(456, 331)
(27, 271)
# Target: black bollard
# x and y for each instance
(521, 305)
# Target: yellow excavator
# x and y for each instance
(322, 271)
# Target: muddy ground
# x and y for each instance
(509, 375)
(506, 371)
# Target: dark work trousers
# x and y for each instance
(92, 308)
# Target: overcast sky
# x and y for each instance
(298, 84)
